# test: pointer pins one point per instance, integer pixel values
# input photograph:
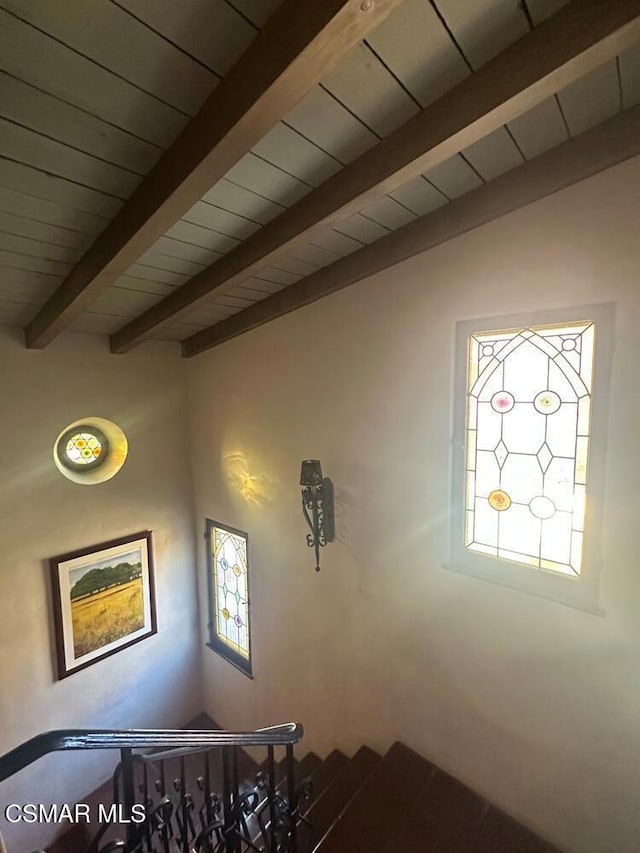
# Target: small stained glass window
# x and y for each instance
(229, 613)
(528, 416)
(83, 447)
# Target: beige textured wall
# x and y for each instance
(532, 703)
(157, 681)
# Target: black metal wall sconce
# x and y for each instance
(317, 506)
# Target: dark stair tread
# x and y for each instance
(76, 838)
(280, 770)
(303, 769)
(326, 809)
(325, 774)
(500, 833)
(303, 772)
(203, 722)
(381, 805)
(314, 824)
(102, 795)
(307, 766)
(445, 818)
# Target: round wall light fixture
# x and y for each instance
(90, 450)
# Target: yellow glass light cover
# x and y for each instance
(93, 451)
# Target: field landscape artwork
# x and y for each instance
(103, 600)
(106, 602)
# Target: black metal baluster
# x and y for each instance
(207, 782)
(235, 794)
(271, 793)
(184, 809)
(116, 784)
(128, 791)
(226, 800)
(292, 795)
(163, 793)
(147, 806)
(206, 813)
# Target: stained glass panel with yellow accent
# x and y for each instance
(229, 591)
(527, 444)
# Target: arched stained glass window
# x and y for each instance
(528, 417)
(229, 616)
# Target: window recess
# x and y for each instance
(228, 590)
(529, 451)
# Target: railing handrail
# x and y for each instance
(68, 739)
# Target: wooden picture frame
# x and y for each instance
(103, 600)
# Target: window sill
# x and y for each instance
(241, 665)
(570, 592)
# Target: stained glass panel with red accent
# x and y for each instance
(527, 444)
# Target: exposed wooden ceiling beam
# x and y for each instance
(591, 152)
(581, 36)
(302, 42)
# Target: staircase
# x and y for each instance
(399, 803)
(203, 793)
(404, 804)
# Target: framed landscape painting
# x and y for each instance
(103, 600)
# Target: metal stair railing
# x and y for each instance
(161, 815)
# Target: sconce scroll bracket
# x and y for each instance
(317, 507)
(329, 525)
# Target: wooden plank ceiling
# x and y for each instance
(93, 93)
